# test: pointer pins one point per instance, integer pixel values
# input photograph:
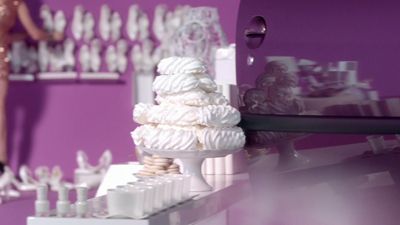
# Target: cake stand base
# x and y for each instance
(192, 167)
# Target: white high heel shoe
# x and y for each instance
(159, 28)
(6, 181)
(77, 22)
(111, 59)
(116, 23)
(104, 22)
(84, 58)
(28, 183)
(144, 24)
(132, 26)
(47, 18)
(84, 165)
(95, 58)
(122, 61)
(60, 22)
(88, 26)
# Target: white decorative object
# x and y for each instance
(81, 204)
(28, 183)
(116, 23)
(122, 61)
(18, 53)
(63, 204)
(88, 26)
(60, 22)
(77, 22)
(84, 58)
(111, 58)
(42, 204)
(69, 55)
(88, 175)
(132, 26)
(95, 57)
(159, 28)
(144, 24)
(47, 18)
(57, 59)
(6, 181)
(104, 23)
(43, 56)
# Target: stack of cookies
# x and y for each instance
(156, 165)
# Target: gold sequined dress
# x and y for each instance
(8, 16)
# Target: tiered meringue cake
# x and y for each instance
(190, 115)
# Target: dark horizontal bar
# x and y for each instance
(321, 124)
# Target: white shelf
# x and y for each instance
(99, 76)
(57, 76)
(22, 77)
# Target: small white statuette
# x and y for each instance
(43, 56)
(57, 59)
(47, 18)
(42, 205)
(56, 178)
(116, 23)
(69, 57)
(77, 22)
(143, 26)
(63, 205)
(159, 28)
(132, 26)
(88, 26)
(104, 23)
(84, 165)
(60, 22)
(111, 59)
(122, 61)
(81, 204)
(84, 58)
(95, 59)
(147, 56)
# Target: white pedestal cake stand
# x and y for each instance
(192, 161)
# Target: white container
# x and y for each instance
(159, 193)
(149, 195)
(126, 202)
(167, 198)
(177, 188)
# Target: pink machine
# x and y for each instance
(311, 66)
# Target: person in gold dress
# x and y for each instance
(10, 11)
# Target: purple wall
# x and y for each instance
(49, 122)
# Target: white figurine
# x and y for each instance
(84, 165)
(116, 23)
(43, 56)
(6, 181)
(77, 22)
(18, 52)
(111, 59)
(132, 26)
(104, 23)
(47, 18)
(144, 24)
(159, 22)
(60, 22)
(84, 58)
(95, 58)
(69, 57)
(122, 61)
(88, 26)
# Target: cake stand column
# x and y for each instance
(192, 167)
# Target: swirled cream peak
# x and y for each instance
(166, 84)
(165, 137)
(196, 97)
(181, 65)
(211, 115)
